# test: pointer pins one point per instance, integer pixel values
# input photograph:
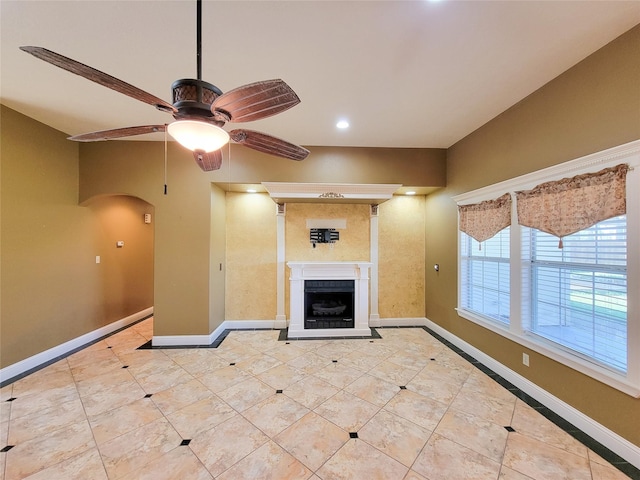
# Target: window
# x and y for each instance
(578, 293)
(485, 275)
(569, 303)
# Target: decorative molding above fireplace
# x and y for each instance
(283, 192)
(302, 271)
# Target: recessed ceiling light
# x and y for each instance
(410, 193)
(342, 124)
(251, 190)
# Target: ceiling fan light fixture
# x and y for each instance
(198, 136)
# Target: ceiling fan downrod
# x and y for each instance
(199, 38)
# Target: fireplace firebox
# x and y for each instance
(329, 303)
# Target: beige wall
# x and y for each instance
(52, 290)
(251, 257)
(401, 257)
(591, 107)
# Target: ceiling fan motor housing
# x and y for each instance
(194, 97)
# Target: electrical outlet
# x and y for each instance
(525, 359)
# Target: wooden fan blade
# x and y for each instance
(98, 77)
(208, 161)
(255, 101)
(268, 144)
(117, 133)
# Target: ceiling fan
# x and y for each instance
(199, 108)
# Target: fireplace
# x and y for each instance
(328, 303)
(329, 299)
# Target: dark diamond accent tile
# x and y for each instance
(287, 343)
(370, 341)
(7, 448)
(185, 442)
(148, 395)
(334, 361)
(125, 366)
(278, 391)
(353, 434)
(11, 399)
(402, 387)
(109, 346)
(232, 364)
(509, 428)
(433, 359)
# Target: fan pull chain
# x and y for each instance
(165, 159)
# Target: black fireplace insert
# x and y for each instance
(329, 303)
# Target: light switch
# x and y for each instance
(119, 244)
(97, 258)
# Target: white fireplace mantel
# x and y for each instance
(356, 270)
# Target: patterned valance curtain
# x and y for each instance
(572, 204)
(483, 220)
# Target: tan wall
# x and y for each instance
(591, 107)
(401, 257)
(183, 278)
(251, 257)
(52, 290)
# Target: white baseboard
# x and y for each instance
(600, 433)
(42, 358)
(192, 340)
(400, 322)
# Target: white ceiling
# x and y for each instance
(405, 73)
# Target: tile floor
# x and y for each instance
(404, 406)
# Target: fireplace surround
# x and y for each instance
(320, 299)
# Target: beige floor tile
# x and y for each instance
(269, 462)
(311, 391)
(223, 378)
(347, 411)
(198, 361)
(275, 413)
(507, 474)
(417, 408)
(606, 472)
(397, 437)
(435, 389)
(443, 459)
(281, 376)
(163, 379)
(475, 433)
(309, 363)
(179, 396)
(358, 460)
(86, 465)
(178, 464)
(338, 374)
(201, 416)
(113, 397)
(225, 445)
(285, 352)
(39, 401)
(312, 440)
(129, 452)
(44, 421)
(118, 421)
(361, 359)
(258, 363)
(490, 408)
(447, 424)
(394, 373)
(246, 394)
(528, 421)
(45, 451)
(373, 390)
(544, 462)
(482, 383)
